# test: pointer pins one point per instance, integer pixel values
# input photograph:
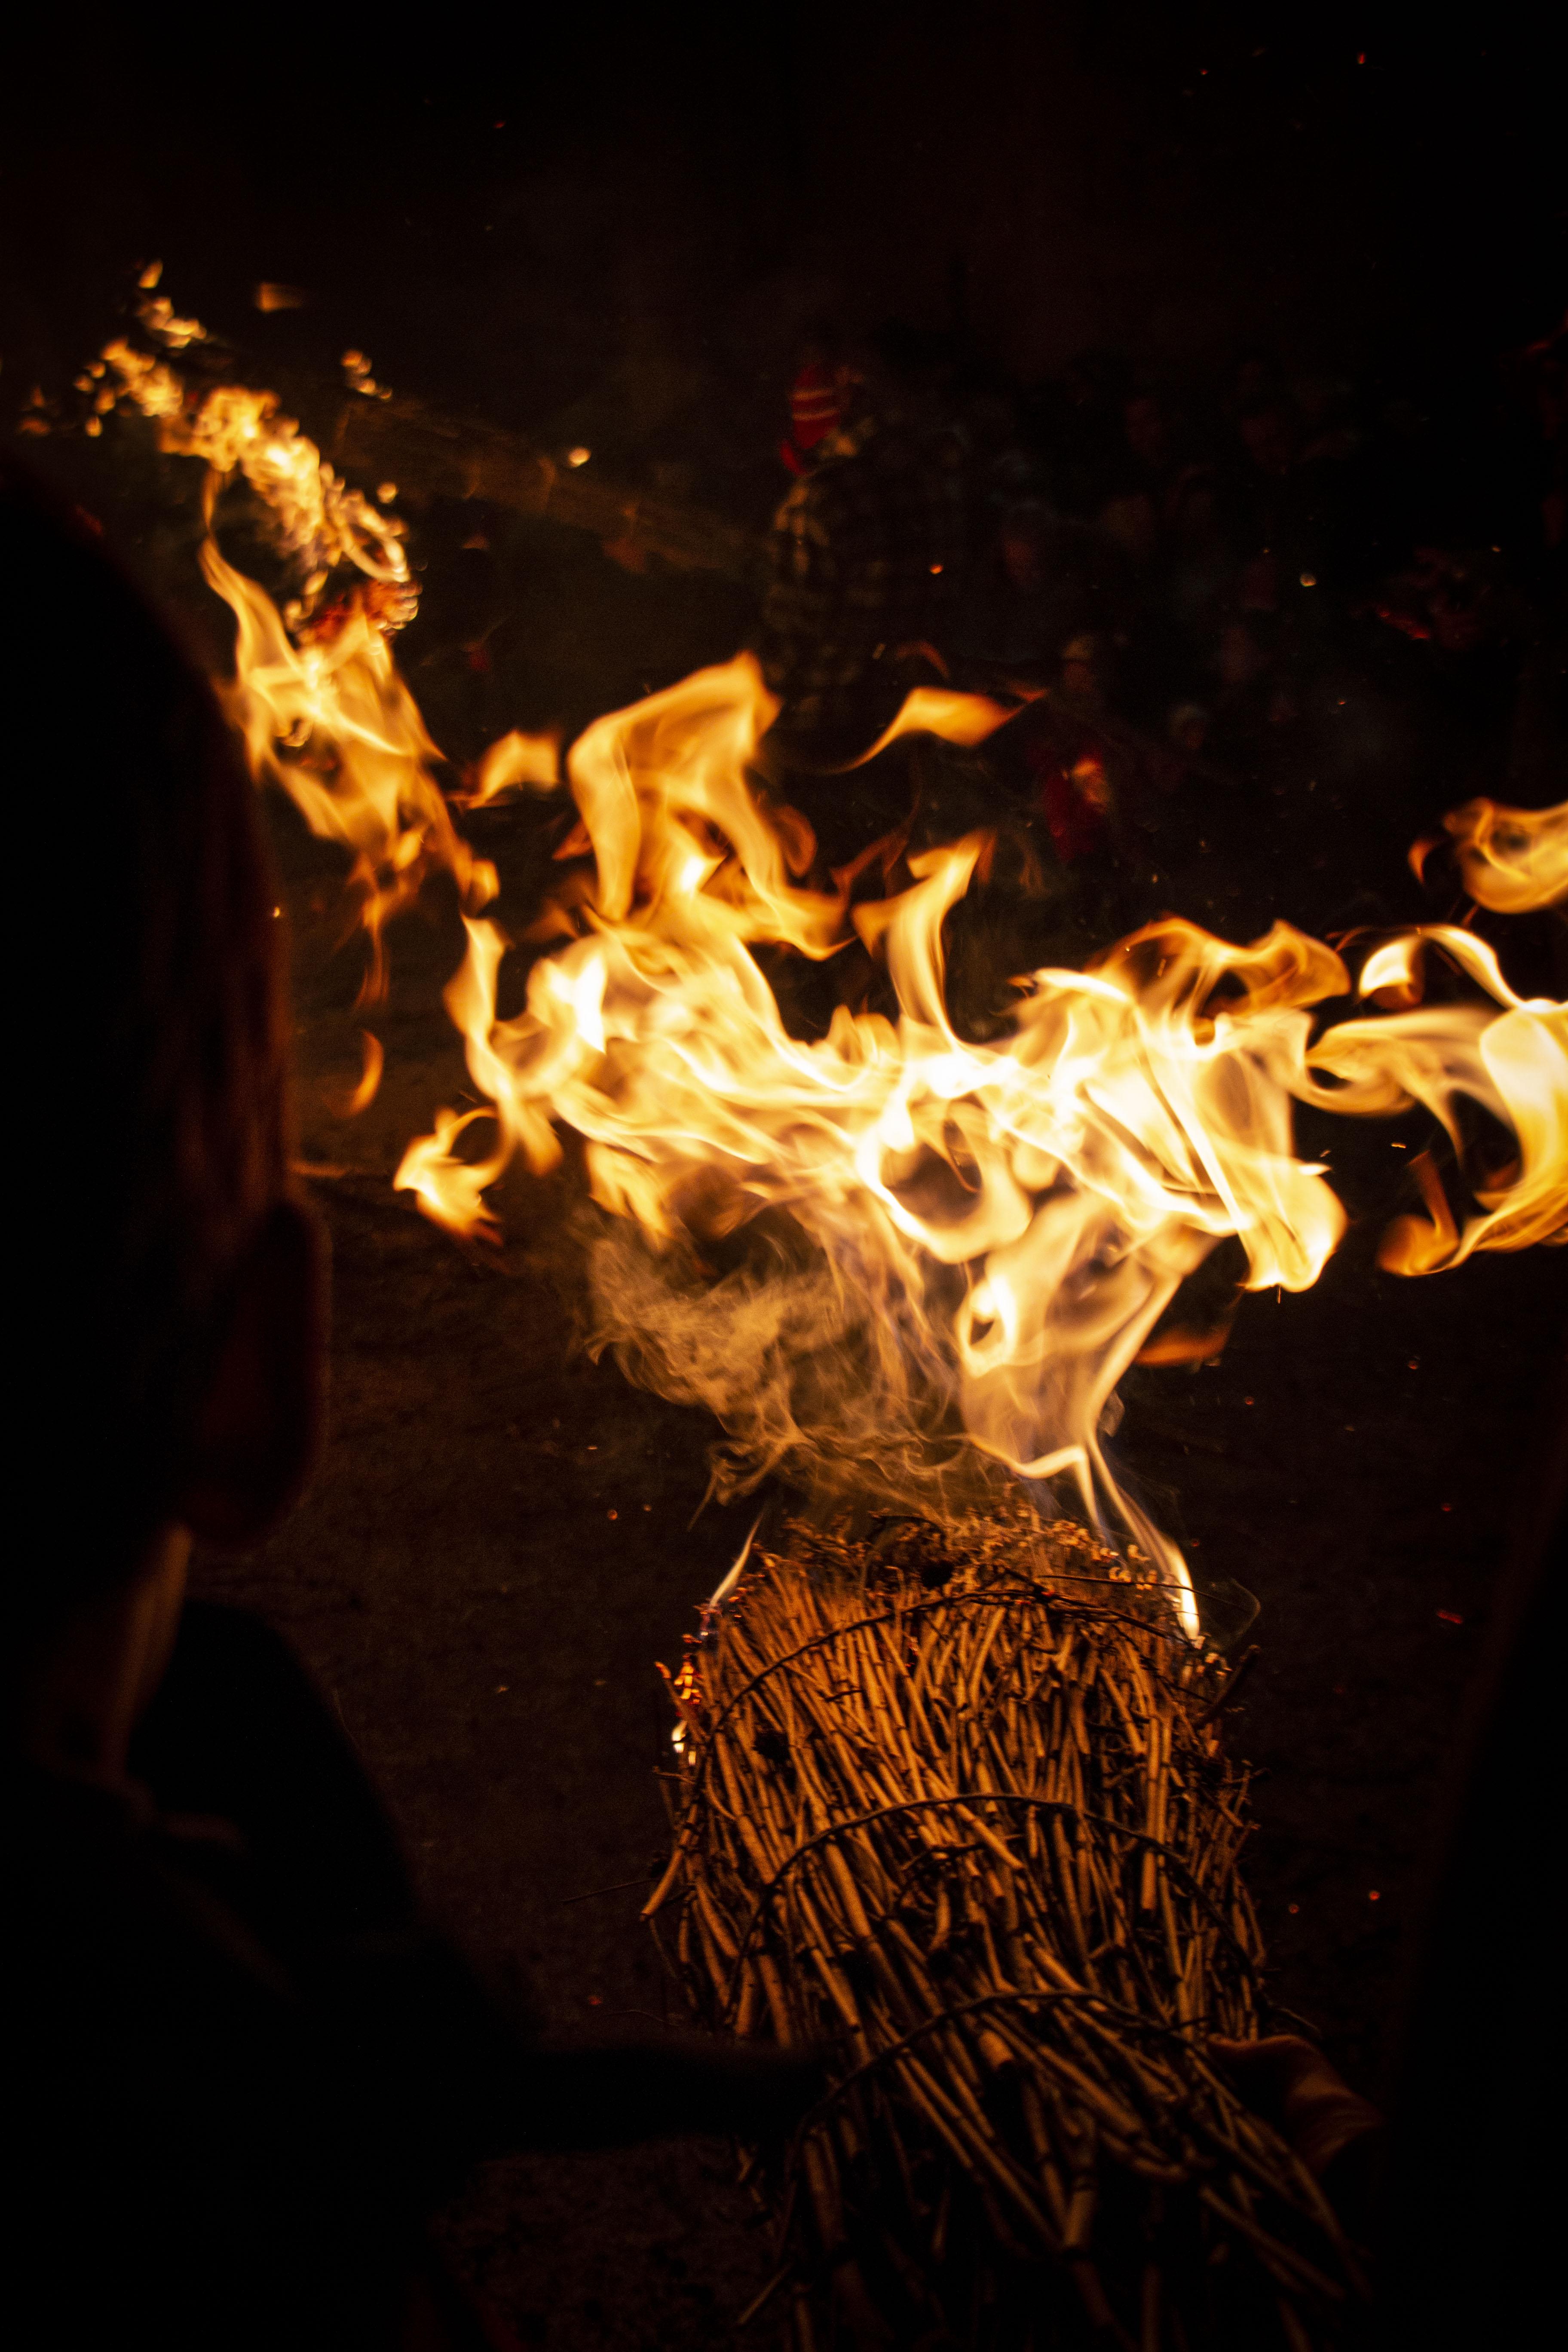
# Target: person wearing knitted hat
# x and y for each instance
(818, 400)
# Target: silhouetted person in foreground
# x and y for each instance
(242, 2071)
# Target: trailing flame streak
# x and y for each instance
(450, 1189)
(321, 712)
(1138, 1113)
(515, 762)
(1511, 859)
(333, 724)
(939, 711)
(374, 1063)
(1513, 1064)
(1186, 1347)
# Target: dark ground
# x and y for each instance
(504, 1536)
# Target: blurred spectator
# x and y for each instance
(1085, 425)
(1076, 805)
(1254, 702)
(1261, 506)
(818, 399)
(1299, 598)
(1271, 433)
(1255, 381)
(864, 553)
(1198, 565)
(1188, 727)
(1081, 689)
(1025, 614)
(1156, 453)
(1019, 602)
(1327, 411)
(1133, 521)
(1287, 503)
(1444, 598)
(1148, 434)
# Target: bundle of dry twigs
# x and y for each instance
(954, 1806)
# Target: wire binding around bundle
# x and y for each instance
(1024, 2140)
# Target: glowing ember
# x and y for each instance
(232, 428)
(995, 1229)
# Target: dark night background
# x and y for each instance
(633, 209)
(611, 227)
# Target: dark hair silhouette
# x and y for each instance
(153, 1038)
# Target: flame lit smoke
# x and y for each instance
(943, 1256)
(991, 1232)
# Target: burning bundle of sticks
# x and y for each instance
(953, 1807)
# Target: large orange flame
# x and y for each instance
(1509, 859)
(329, 720)
(315, 695)
(1002, 1225)
(964, 1246)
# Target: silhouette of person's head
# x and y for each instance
(168, 1336)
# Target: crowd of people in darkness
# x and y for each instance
(1255, 604)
